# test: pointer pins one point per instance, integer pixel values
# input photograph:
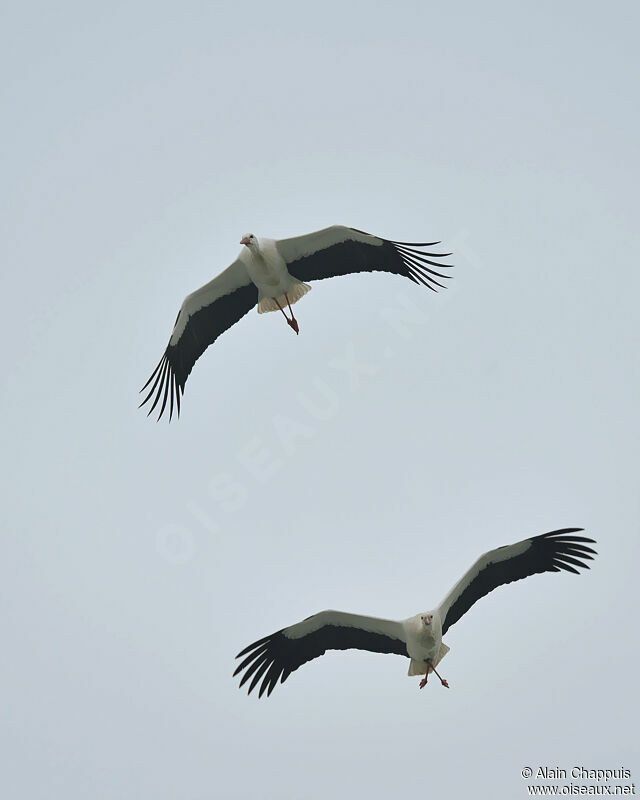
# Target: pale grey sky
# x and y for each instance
(140, 142)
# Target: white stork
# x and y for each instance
(273, 273)
(418, 638)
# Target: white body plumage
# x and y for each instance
(268, 271)
(424, 642)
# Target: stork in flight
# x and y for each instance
(418, 638)
(272, 274)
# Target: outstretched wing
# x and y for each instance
(549, 552)
(277, 656)
(203, 316)
(339, 250)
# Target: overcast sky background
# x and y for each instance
(362, 465)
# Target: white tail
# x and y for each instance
(297, 291)
(420, 668)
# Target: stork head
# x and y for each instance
(426, 620)
(250, 241)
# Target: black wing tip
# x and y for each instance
(262, 666)
(255, 645)
(166, 386)
(258, 661)
(415, 244)
(560, 535)
(566, 567)
(418, 263)
(153, 374)
(415, 248)
(568, 552)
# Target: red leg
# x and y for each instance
(442, 680)
(281, 309)
(293, 322)
(423, 682)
